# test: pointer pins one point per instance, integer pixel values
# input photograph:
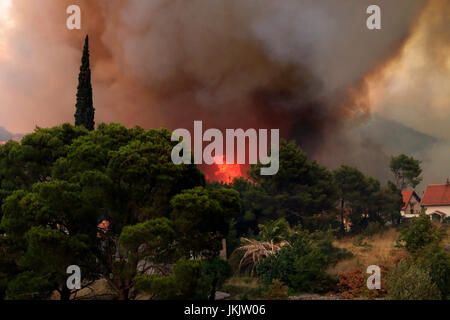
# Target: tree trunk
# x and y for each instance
(123, 294)
(212, 295)
(65, 294)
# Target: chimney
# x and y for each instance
(448, 182)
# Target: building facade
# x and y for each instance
(436, 201)
(411, 204)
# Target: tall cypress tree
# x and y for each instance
(84, 115)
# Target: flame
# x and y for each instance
(225, 172)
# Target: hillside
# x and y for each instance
(5, 135)
(396, 138)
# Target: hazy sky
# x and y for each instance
(142, 46)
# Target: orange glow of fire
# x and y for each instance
(226, 172)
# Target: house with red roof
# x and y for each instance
(436, 200)
(411, 204)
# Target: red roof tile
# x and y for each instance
(436, 194)
(406, 194)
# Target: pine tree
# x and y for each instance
(84, 115)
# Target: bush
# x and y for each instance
(359, 242)
(244, 288)
(373, 228)
(423, 240)
(350, 283)
(275, 231)
(214, 274)
(418, 234)
(276, 291)
(324, 242)
(301, 265)
(407, 281)
(28, 286)
(399, 255)
(159, 287)
(184, 283)
(191, 279)
(436, 261)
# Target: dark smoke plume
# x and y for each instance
(298, 65)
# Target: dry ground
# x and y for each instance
(379, 249)
(376, 250)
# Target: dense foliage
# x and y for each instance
(423, 240)
(406, 171)
(409, 282)
(302, 264)
(110, 201)
(191, 279)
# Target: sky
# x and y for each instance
(141, 48)
(4, 4)
(4, 17)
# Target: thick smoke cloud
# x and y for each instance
(415, 88)
(298, 65)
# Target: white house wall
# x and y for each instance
(430, 209)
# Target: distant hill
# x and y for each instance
(396, 138)
(5, 135)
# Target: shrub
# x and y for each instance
(324, 242)
(28, 286)
(350, 283)
(244, 288)
(399, 255)
(353, 284)
(276, 231)
(159, 287)
(436, 261)
(407, 281)
(184, 283)
(301, 265)
(191, 279)
(276, 291)
(423, 240)
(253, 252)
(373, 228)
(359, 242)
(214, 273)
(418, 234)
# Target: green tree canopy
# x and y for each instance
(364, 200)
(202, 217)
(406, 171)
(301, 188)
(101, 199)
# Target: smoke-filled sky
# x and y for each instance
(308, 67)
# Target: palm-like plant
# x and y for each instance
(254, 251)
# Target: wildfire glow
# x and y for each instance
(226, 172)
